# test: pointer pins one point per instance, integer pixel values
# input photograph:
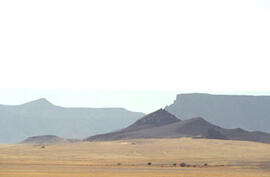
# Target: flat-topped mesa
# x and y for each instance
(42, 117)
(229, 111)
(158, 118)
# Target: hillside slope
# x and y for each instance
(40, 117)
(195, 127)
(48, 139)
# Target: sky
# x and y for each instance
(265, 3)
(81, 48)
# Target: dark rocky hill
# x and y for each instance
(195, 127)
(156, 119)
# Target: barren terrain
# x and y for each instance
(131, 158)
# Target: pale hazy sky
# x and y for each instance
(171, 45)
(140, 101)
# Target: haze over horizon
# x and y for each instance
(139, 101)
(156, 88)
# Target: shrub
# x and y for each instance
(182, 164)
(149, 163)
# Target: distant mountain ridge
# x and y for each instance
(234, 113)
(40, 117)
(194, 127)
(228, 111)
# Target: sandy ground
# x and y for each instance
(130, 158)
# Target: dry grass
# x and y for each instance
(224, 158)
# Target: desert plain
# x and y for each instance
(132, 158)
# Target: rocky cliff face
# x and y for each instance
(229, 111)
